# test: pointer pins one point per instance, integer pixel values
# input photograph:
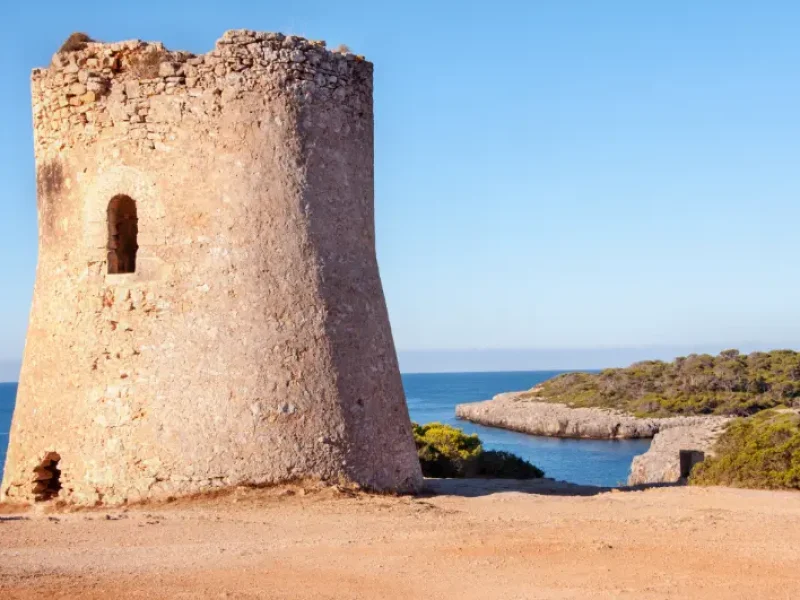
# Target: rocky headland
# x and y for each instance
(517, 412)
(740, 410)
(660, 464)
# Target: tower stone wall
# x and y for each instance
(250, 343)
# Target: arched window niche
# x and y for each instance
(123, 229)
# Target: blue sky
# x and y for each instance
(548, 174)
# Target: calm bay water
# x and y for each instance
(433, 397)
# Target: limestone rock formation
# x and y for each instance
(208, 310)
(662, 463)
(513, 410)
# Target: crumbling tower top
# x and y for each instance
(102, 90)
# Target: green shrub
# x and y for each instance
(446, 451)
(762, 451)
(505, 465)
(728, 384)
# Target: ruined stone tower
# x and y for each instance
(207, 309)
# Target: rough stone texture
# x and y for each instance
(513, 411)
(661, 463)
(252, 343)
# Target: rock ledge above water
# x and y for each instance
(512, 411)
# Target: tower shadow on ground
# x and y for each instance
(477, 487)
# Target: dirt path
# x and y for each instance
(473, 540)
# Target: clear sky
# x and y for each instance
(549, 174)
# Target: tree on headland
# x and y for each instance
(728, 384)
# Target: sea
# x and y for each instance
(433, 397)
(8, 393)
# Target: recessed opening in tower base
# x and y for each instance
(47, 478)
(123, 229)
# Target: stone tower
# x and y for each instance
(208, 310)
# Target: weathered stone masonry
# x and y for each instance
(250, 343)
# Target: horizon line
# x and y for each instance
(776, 346)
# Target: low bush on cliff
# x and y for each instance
(446, 451)
(76, 41)
(762, 451)
(728, 384)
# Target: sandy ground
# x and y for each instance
(468, 540)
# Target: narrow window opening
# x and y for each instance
(123, 229)
(47, 482)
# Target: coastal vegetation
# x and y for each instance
(446, 451)
(700, 384)
(762, 451)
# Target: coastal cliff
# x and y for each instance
(515, 411)
(684, 405)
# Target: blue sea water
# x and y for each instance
(433, 397)
(8, 393)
